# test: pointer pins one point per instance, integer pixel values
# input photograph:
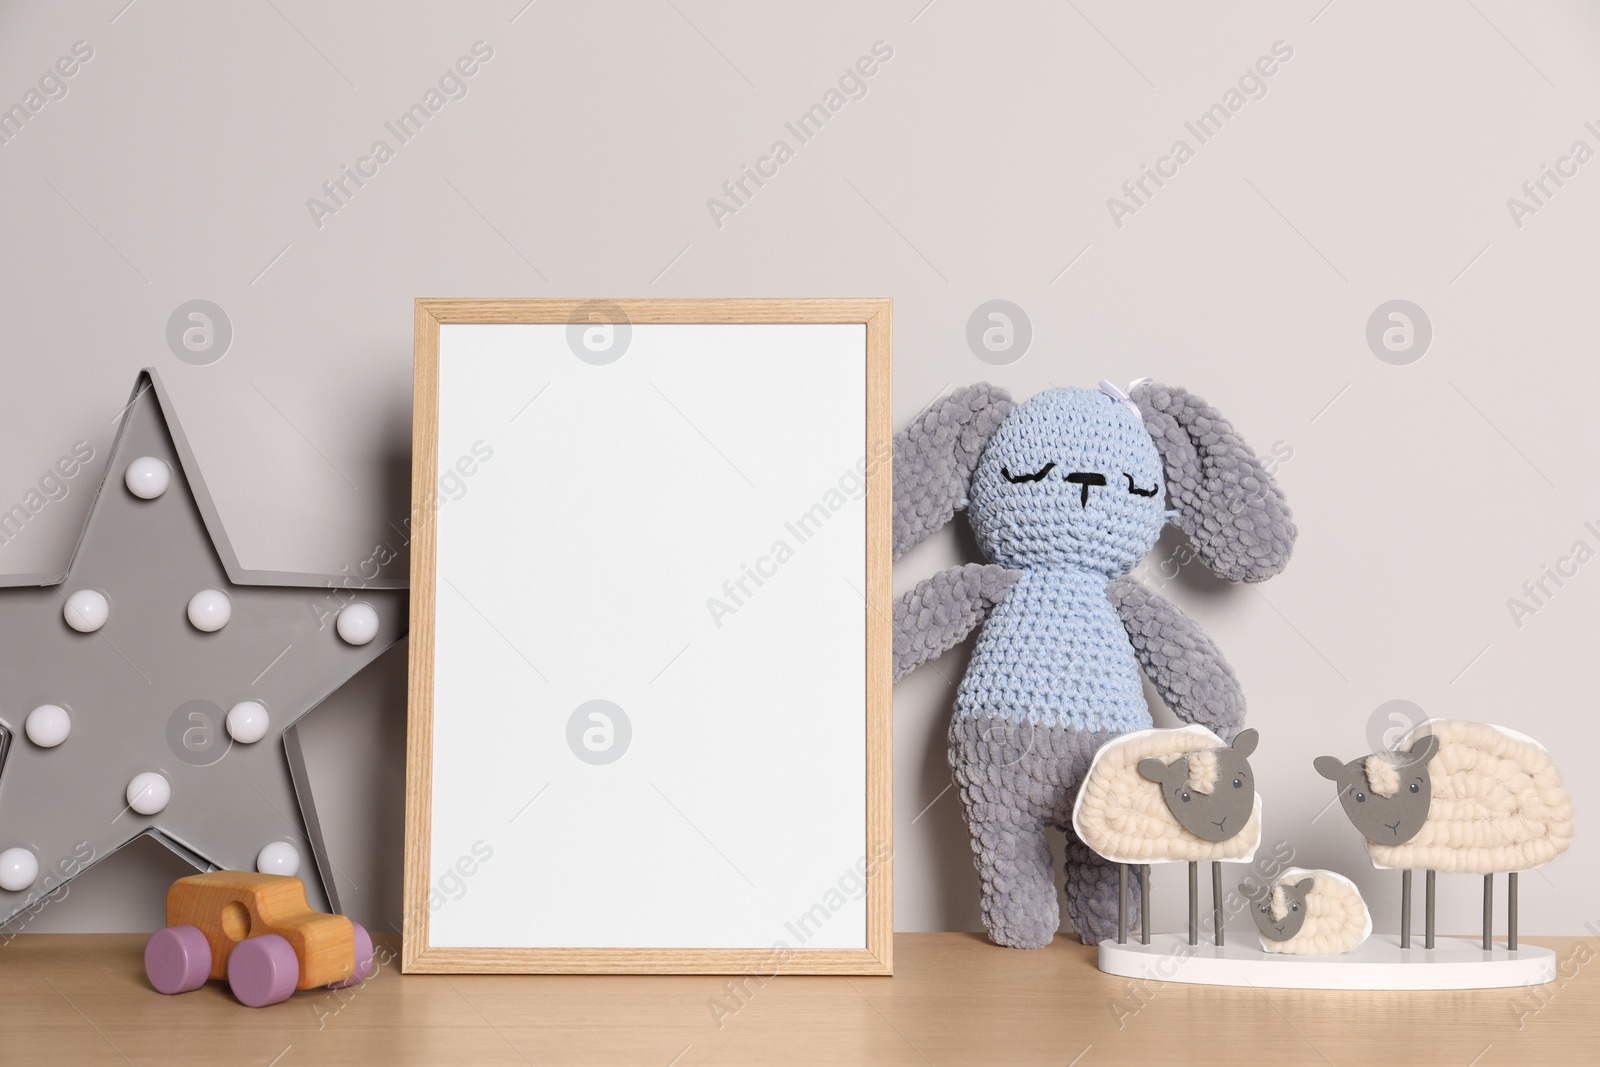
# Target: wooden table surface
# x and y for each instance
(955, 999)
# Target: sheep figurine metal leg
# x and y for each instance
(1451, 781)
(1166, 796)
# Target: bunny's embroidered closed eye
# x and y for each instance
(1036, 476)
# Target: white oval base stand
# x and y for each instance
(1380, 963)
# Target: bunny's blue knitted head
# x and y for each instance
(1070, 479)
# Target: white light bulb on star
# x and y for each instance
(149, 793)
(86, 611)
(48, 725)
(358, 624)
(18, 869)
(147, 477)
(279, 857)
(210, 610)
(247, 722)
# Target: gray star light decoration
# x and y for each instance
(153, 688)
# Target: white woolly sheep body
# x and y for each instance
(1336, 919)
(1124, 817)
(1498, 804)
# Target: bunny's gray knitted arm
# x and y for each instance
(1182, 663)
(940, 611)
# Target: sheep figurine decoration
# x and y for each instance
(1309, 913)
(1065, 493)
(1159, 796)
(1460, 797)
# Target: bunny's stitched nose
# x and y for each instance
(1086, 479)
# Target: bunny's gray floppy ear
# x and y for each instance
(1232, 510)
(935, 456)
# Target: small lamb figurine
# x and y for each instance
(1205, 809)
(1065, 493)
(1457, 797)
(1309, 913)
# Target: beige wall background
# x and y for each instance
(1375, 164)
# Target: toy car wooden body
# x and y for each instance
(258, 932)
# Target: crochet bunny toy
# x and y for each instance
(1066, 492)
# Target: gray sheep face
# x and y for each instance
(1070, 479)
(1274, 927)
(1386, 817)
(1222, 812)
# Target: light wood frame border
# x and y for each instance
(877, 958)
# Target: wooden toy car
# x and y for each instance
(258, 932)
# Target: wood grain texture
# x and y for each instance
(954, 999)
(229, 906)
(419, 685)
(880, 638)
(877, 956)
(455, 311)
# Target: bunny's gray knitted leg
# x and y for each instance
(1091, 882)
(1014, 866)
(1092, 893)
(1007, 824)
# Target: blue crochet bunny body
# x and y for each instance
(1054, 653)
(1069, 493)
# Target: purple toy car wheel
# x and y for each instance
(365, 962)
(263, 970)
(177, 959)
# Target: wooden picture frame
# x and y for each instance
(433, 933)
